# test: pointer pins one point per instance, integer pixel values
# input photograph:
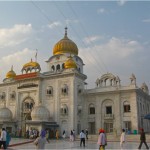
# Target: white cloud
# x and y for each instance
(113, 50)
(101, 11)
(118, 55)
(54, 24)
(146, 20)
(121, 2)
(88, 40)
(15, 35)
(17, 59)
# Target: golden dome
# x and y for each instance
(29, 67)
(11, 74)
(65, 45)
(70, 63)
(31, 64)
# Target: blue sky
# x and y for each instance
(112, 36)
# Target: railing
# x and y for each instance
(108, 116)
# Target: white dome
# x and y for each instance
(40, 113)
(5, 114)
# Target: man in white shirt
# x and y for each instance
(82, 138)
(3, 138)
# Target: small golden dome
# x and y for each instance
(70, 63)
(65, 45)
(28, 67)
(11, 74)
(31, 64)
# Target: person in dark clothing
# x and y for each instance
(143, 139)
(86, 132)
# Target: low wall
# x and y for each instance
(129, 137)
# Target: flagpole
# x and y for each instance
(36, 55)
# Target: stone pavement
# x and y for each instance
(66, 144)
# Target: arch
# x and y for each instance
(13, 95)
(3, 96)
(58, 67)
(91, 109)
(53, 68)
(63, 66)
(64, 89)
(64, 109)
(126, 106)
(49, 90)
(107, 107)
(28, 104)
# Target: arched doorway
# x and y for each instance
(27, 107)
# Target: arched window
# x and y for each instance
(64, 89)
(64, 109)
(63, 66)
(3, 96)
(91, 109)
(28, 105)
(13, 95)
(53, 68)
(126, 107)
(49, 90)
(58, 67)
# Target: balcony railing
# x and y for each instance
(108, 116)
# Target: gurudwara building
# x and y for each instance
(58, 99)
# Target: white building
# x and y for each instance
(57, 99)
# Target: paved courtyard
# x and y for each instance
(66, 144)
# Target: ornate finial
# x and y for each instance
(12, 68)
(66, 31)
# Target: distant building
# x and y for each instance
(58, 100)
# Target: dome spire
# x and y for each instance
(12, 68)
(66, 31)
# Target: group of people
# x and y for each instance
(5, 138)
(102, 139)
(142, 139)
(32, 133)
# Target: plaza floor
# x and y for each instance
(66, 144)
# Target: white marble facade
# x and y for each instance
(58, 99)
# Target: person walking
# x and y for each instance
(101, 140)
(122, 139)
(57, 134)
(143, 139)
(82, 138)
(47, 136)
(41, 141)
(8, 139)
(86, 132)
(71, 136)
(64, 134)
(3, 138)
